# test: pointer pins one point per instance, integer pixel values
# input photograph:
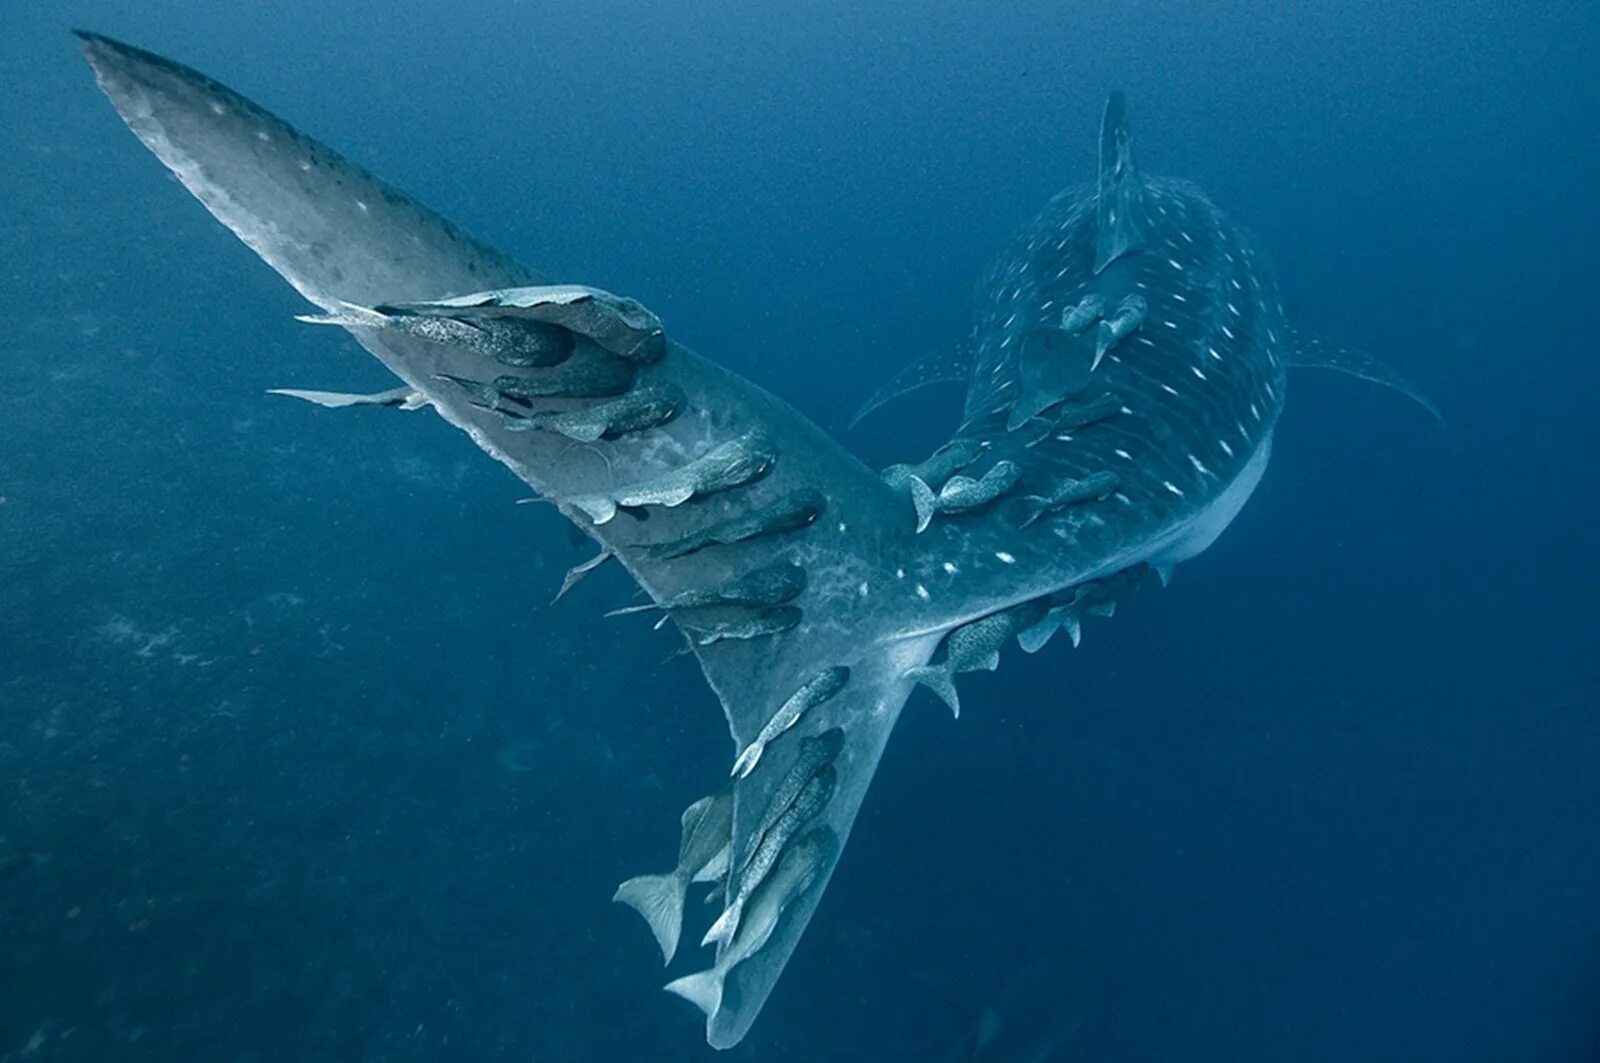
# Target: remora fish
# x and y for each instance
(1070, 493)
(1206, 375)
(819, 688)
(974, 647)
(702, 856)
(921, 481)
(795, 873)
(814, 752)
(732, 464)
(808, 804)
(786, 513)
(756, 625)
(515, 343)
(766, 586)
(961, 493)
(616, 323)
(641, 408)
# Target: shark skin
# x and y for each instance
(1199, 382)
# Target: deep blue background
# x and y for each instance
(1334, 795)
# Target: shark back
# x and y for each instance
(1190, 392)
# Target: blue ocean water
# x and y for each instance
(298, 761)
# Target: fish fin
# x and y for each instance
(1053, 364)
(1102, 609)
(339, 235)
(1305, 350)
(924, 501)
(1119, 199)
(577, 573)
(946, 364)
(599, 508)
(938, 679)
(746, 761)
(989, 663)
(726, 925)
(1104, 337)
(659, 898)
(691, 818)
(630, 609)
(346, 315)
(338, 400)
(1032, 639)
(703, 990)
(716, 867)
(1164, 574)
(1073, 626)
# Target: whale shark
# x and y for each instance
(1124, 376)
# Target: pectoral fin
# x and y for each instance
(1304, 350)
(944, 364)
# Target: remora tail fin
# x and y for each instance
(703, 990)
(344, 238)
(659, 898)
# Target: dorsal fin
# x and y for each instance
(1119, 189)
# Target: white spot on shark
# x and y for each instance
(1005, 557)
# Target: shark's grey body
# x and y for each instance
(1198, 387)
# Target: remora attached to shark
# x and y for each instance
(1133, 297)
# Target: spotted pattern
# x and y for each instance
(1199, 385)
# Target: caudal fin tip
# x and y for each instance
(922, 499)
(941, 684)
(659, 899)
(723, 928)
(703, 990)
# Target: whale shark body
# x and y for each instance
(1124, 376)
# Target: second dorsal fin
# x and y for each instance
(1119, 189)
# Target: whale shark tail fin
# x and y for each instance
(733, 480)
